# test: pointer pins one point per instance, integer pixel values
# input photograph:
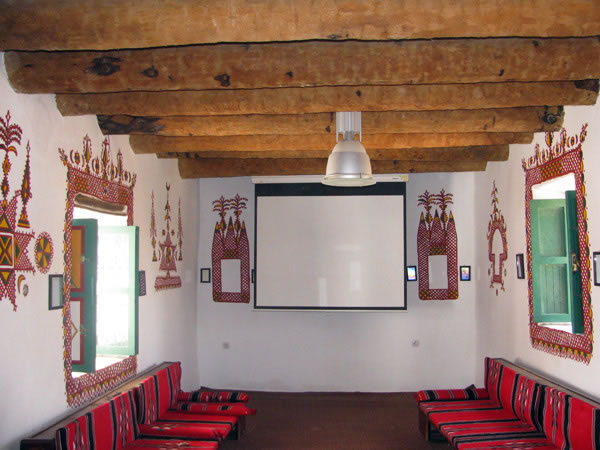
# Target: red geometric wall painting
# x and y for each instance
(436, 236)
(559, 158)
(497, 244)
(102, 178)
(167, 251)
(14, 242)
(230, 243)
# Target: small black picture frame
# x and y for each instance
(411, 273)
(141, 283)
(596, 264)
(55, 292)
(205, 275)
(465, 273)
(520, 261)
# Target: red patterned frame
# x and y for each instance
(230, 241)
(436, 235)
(105, 180)
(496, 223)
(564, 157)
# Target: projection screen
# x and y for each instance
(325, 248)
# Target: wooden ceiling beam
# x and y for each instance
(459, 121)
(142, 144)
(74, 25)
(489, 153)
(327, 99)
(204, 168)
(302, 64)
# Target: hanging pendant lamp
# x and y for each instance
(348, 164)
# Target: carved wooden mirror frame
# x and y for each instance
(562, 158)
(103, 179)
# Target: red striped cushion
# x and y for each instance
(203, 395)
(145, 394)
(154, 444)
(451, 394)
(442, 418)
(456, 405)
(229, 409)
(170, 429)
(494, 433)
(189, 417)
(73, 435)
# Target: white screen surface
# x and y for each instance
(330, 252)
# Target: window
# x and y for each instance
(555, 262)
(103, 290)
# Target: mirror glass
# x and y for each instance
(558, 263)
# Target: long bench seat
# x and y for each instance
(150, 411)
(517, 409)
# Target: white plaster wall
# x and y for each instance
(339, 351)
(503, 320)
(32, 387)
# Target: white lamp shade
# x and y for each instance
(348, 165)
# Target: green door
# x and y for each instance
(83, 290)
(555, 255)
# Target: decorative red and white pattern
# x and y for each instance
(101, 178)
(230, 242)
(496, 226)
(566, 156)
(436, 235)
(167, 250)
(14, 242)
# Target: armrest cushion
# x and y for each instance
(470, 393)
(205, 395)
(225, 409)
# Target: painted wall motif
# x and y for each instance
(230, 243)
(168, 251)
(497, 244)
(436, 235)
(554, 160)
(14, 240)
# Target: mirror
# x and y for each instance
(558, 263)
(94, 182)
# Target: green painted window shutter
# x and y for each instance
(118, 290)
(87, 294)
(554, 244)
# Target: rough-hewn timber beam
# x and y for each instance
(202, 168)
(175, 144)
(327, 99)
(73, 24)
(489, 153)
(390, 122)
(251, 66)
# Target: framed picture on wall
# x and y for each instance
(596, 263)
(520, 266)
(411, 273)
(205, 275)
(55, 292)
(465, 273)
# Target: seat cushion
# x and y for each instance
(452, 394)
(154, 444)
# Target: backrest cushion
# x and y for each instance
(145, 395)
(570, 422)
(166, 390)
(124, 419)
(73, 436)
(528, 401)
(501, 382)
